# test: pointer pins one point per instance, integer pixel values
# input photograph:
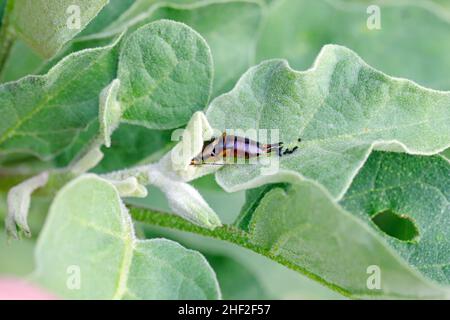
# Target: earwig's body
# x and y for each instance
(233, 147)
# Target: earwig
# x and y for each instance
(231, 146)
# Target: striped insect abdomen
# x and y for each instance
(231, 147)
(241, 147)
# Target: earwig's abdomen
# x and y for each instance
(240, 147)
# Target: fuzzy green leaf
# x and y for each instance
(166, 75)
(43, 115)
(48, 25)
(89, 231)
(312, 234)
(417, 188)
(341, 108)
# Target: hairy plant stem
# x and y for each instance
(7, 35)
(227, 233)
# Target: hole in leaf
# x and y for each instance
(396, 225)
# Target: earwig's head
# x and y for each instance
(203, 160)
(208, 153)
(196, 161)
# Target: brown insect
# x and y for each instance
(216, 150)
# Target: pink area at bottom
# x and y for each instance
(16, 289)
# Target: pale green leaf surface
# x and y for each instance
(166, 75)
(89, 227)
(341, 108)
(43, 24)
(43, 115)
(314, 235)
(92, 36)
(23, 60)
(412, 42)
(412, 186)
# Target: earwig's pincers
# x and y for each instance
(290, 151)
(280, 152)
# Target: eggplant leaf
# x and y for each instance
(166, 75)
(47, 25)
(414, 188)
(314, 235)
(342, 109)
(88, 250)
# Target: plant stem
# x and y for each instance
(167, 220)
(7, 36)
(227, 233)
